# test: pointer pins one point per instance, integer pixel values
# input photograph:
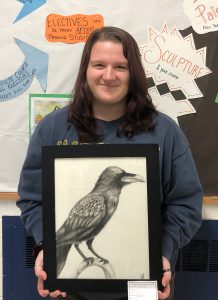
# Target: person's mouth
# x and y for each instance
(109, 85)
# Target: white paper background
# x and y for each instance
(124, 240)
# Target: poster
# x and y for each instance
(42, 42)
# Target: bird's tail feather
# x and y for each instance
(61, 256)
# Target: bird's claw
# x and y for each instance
(89, 261)
(104, 261)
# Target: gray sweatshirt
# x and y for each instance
(181, 191)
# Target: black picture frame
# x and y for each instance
(132, 241)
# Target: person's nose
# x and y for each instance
(109, 74)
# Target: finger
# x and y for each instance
(41, 274)
(43, 293)
(166, 279)
(40, 287)
(39, 266)
(165, 294)
(63, 294)
(38, 269)
(55, 294)
(166, 284)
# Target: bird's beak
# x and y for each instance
(128, 178)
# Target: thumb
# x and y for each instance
(166, 279)
(39, 270)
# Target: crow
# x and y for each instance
(90, 214)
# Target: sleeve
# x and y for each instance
(30, 183)
(182, 201)
(29, 190)
(52, 127)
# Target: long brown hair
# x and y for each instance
(139, 108)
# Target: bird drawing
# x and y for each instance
(90, 214)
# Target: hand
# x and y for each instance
(165, 280)
(41, 274)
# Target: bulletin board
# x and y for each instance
(41, 46)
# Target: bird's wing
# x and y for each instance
(83, 218)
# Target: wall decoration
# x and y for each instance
(42, 42)
(42, 104)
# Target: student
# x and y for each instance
(111, 105)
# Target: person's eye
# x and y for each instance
(122, 67)
(98, 66)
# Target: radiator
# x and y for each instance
(196, 269)
(19, 281)
(197, 265)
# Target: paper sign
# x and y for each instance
(142, 290)
(170, 58)
(203, 14)
(71, 29)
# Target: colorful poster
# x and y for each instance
(43, 104)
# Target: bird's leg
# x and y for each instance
(89, 260)
(89, 244)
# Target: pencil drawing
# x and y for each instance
(90, 214)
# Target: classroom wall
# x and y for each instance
(194, 105)
(40, 57)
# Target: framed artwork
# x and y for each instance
(101, 216)
(42, 104)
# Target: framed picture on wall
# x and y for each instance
(41, 105)
(101, 216)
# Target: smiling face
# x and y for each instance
(108, 79)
